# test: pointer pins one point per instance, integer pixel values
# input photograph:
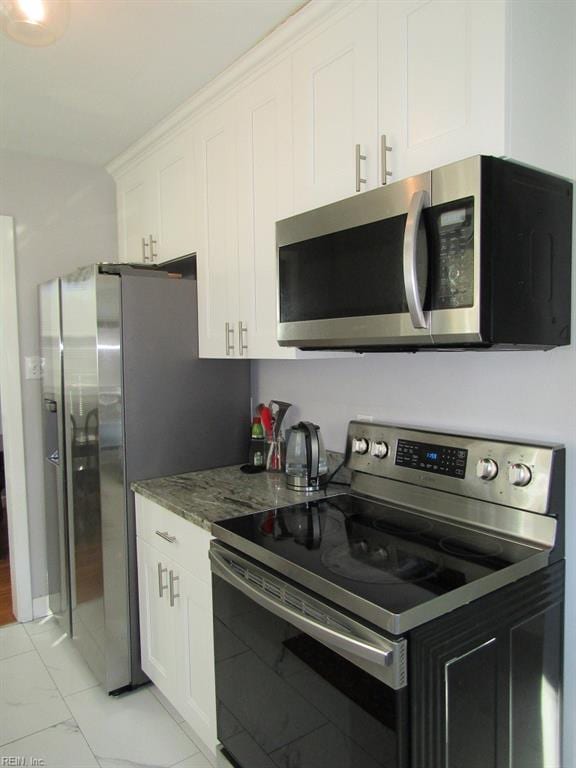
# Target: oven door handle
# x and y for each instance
(418, 202)
(324, 634)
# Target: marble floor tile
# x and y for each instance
(29, 700)
(130, 729)
(196, 761)
(61, 746)
(104, 763)
(63, 661)
(172, 711)
(38, 626)
(14, 640)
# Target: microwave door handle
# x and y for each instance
(419, 200)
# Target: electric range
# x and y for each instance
(416, 619)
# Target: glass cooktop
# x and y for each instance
(390, 558)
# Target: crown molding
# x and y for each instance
(276, 44)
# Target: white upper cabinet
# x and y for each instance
(441, 87)
(136, 213)
(175, 204)
(265, 194)
(217, 255)
(335, 81)
(156, 204)
(306, 120)
(466, 77)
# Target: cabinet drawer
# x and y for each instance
(188, 545)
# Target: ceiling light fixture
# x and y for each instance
(34, 22)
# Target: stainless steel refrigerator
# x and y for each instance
(137, 403)
(54, 454)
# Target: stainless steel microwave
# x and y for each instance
(474, 254)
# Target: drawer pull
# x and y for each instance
(166, 536)
(172, 579)
(161, 586)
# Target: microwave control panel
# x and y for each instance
(453, 227)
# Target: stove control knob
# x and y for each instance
(486, 469)
(519, 474)
(379, 449)
(359, 445)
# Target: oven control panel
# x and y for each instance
(503, 472)
(439, 459)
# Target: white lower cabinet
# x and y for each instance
(195, 646)
(176, 629)
(157, 620)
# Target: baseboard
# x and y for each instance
(40, 606)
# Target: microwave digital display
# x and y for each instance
(452, 233)
(450, 218)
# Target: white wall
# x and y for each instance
(65, 217)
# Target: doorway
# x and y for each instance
(6, 613)
(15, 576)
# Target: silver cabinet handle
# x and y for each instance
(166, 536)
(410, 261)
(384, 148)
(145, 245)
(359, 157)
(325, 634)
(242, 338)
(153, 254)
(172, 580)
(161, 586)
(229, 330)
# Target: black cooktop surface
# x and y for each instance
(393, 558)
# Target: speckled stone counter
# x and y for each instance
(212, 495)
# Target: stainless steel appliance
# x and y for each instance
(54, 454)
(137, 403)
(473, 254)
(306, 463)
(415, 621)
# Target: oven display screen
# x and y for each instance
(438, 459)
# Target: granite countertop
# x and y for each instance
(211, 495)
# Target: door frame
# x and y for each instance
(13, 427)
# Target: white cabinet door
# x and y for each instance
(217, 255)
(157, 619)
(335, 108)
(264, 195)
(441, 88)
(136, 213)
(195, 653)
(174, 197)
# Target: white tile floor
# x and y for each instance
(52, 710)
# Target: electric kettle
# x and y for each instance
(306, 465)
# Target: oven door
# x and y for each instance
(298, 683)
(355, 273)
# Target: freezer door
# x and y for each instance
(91, 307)
(54, 454)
